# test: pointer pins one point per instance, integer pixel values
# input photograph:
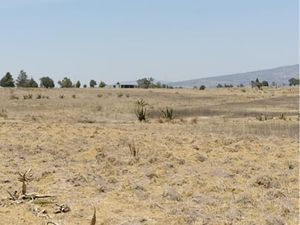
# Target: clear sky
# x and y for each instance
(122, 40)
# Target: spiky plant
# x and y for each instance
(168, 113)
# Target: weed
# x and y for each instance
(133, 150)
(168, 113)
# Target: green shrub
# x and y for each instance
(168, 113)
(141, 110)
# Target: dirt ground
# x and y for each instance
(218, 162)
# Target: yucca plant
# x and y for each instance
(168, 113)
(141, 110)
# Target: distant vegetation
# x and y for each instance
(293, 81)
(147, 82)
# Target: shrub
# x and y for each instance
(28, 96)
(120, 95)
(102, 84)
(202, 87)
(141, 110)
(73, 96)
(39, 96)
(168, 113)
(99, 95)
(282, 116)
(61, 96)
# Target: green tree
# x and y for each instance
(93, 83)
(32, 83)
(102, 84)
(47, 82)
(145, 82)
(7, 80)
(293, 81)
(265, 83)
(65, 83)
(78, 84)
(22, 79)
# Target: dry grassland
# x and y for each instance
(215, 163)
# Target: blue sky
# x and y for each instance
(119, 40)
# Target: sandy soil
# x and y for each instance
(216, 163)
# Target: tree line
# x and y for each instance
(45, 82)
(148, 82)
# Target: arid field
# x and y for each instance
(230, 156)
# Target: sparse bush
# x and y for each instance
(3, 113)
(73, 96)
(282, 116)
(141, 110)
(120, 95)
(39, 96)
(61, 96)
(243, 90)
(194, 120)
(168, 113)
(127, 95)
(28, 96)
(202, 87)
(264, 117)
(99, 95)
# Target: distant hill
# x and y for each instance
(280, 75)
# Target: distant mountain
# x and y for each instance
(279, 75)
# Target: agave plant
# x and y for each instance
(141, 110)
(168, 113)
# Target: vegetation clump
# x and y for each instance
(141, 110)
(168, 113)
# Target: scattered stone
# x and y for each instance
(64, 208)
(171, 194)
(201, 158)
